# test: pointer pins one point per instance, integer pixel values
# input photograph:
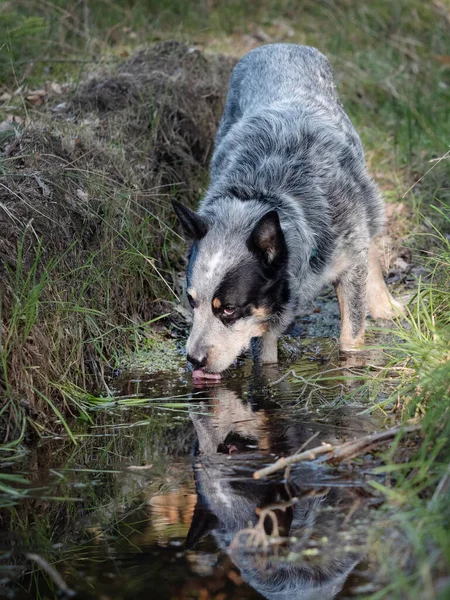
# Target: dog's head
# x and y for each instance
(236, 279)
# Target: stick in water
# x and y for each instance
(339, 452)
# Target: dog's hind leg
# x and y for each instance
(352, 298)
(381, 304)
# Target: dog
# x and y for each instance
(290, 208)
(229, 500)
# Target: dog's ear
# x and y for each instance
(193, 225)
(267, 239)
(203, 523)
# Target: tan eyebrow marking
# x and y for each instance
(261, 312)
(217, 303)
(192, 293)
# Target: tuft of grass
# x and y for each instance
(89, 257)
(414, 546)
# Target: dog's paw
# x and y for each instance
(349, 344)
(389, 308)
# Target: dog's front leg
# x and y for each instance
(264, 348)
(352, 298)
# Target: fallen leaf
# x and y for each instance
(54, 88)
(443, 59)
(396, 208)
(15, 119)
(39, 92)
(35, 99)
(82, 195)
(401, 264)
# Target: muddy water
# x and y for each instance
(158, 498)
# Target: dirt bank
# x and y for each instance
(87, 254)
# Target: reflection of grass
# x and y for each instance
(91, 504)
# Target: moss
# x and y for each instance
(156, 355)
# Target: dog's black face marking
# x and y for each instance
(194, 226)
(192, 256)
(253, 288)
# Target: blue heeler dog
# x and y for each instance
(290, 207)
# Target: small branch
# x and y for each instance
(339, 452)
(55, 60)
(51, 572)
(302, 447)
(425, 174)
(291, 372)
(139, 467)
(282, 463)
(315, 379)
(441, 490)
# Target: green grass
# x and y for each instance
(72, 313)
(421, 490)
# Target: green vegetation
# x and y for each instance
(421, 354)
(88, 257)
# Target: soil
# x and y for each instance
(147, 123)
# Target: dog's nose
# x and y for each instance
(197, 362)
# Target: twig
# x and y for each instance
(339, 452)
(51, 572)
(313, 379)
(424, 175)
(282, 378)
(139, 467)
(282, 463)
(287, 472)
(441, 490)
(256, 536)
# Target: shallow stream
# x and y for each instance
(158, 500)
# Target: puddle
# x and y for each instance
(158, 498)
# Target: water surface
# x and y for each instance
(158, 498)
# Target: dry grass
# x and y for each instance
(88, 253)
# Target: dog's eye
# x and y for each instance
(229, 310)
(191, 300)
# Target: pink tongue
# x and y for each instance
(200, 374)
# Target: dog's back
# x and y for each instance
(278, 74)
(285, 139)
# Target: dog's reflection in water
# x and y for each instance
(230, 500)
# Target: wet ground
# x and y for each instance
(158, 499)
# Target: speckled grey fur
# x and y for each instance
(285, 143)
